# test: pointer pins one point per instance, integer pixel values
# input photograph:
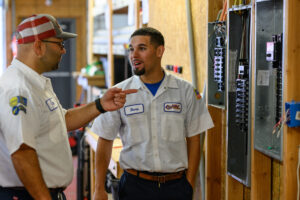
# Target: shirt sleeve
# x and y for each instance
(21, 119)
(198, 118)
(107, 125)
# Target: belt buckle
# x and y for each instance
(161, 179)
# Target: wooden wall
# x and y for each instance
(171, 20)
(60, 9)
(270, 179)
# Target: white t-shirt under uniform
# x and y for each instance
(153, 129)
(31, 114)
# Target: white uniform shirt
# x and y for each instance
(153, 128)
(31, 114)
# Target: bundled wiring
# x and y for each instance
(279, 125)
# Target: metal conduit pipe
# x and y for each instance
(194, 82)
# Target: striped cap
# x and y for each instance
(40, 27)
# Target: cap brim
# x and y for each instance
(66, 35)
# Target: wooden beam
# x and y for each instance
(110, 44)
(137, 13)
(260, 176)
(92, 171)
(213, 155)
(260, 164)
(291, 92)
(234, 189)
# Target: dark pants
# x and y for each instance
(22, 194)
(134, 188)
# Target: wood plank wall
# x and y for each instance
(270, 179)
(291, 92)
(60, 9)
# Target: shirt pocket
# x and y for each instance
(138, 129)
(172, 127)
(53, 122)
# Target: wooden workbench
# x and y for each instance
(114, 166)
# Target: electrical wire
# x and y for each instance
(279, 125)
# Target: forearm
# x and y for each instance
(80, 116)
(27, 166)
(193, 145)
(103, 155)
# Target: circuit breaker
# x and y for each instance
(238, 94)
(219, 63)
(268, 137)
(216, 64)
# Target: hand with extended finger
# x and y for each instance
(115, 98)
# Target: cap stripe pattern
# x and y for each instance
(40, 27)
(35, 28)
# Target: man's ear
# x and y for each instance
(39, 48)
(160, 51)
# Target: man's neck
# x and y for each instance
(153, 77)
(30, 64)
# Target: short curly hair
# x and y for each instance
(155, 36)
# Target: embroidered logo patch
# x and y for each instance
(172, 107)
(18, 103)
(134, 109)
(198, 95)
(52, 105)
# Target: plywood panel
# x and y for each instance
(260, 176)
(213, 157)
(276, 179)
(170, 19)
(234, 189)
(291, 92)
(199, 16)
(214, 8)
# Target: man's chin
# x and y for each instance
(139, 72)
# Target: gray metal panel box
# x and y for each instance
(216, 97)
(268, 79)
(239, 94)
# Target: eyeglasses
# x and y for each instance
(60, 44)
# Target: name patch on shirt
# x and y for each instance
(172, 107)
(134, 109)
(52, 104)
(18, 103)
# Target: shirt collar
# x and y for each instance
(169, 81)
(31, 75)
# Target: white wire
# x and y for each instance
(298, 167)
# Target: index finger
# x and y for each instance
(130, 91)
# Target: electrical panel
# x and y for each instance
(216, 63)
(238, 94)
(268, 122)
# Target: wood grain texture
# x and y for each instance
(213, 156)
(291, 92)
(234, 189)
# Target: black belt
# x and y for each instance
(52, 190)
